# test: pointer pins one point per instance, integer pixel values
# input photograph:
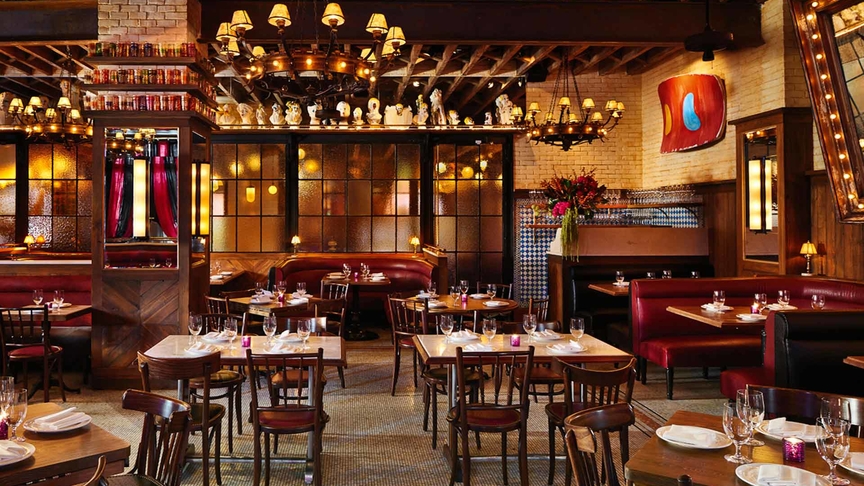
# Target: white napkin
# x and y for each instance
(463, 334)
(55, 416)
(547, 334)
(695, 436)
(751, 317)
(289, 335)
(437, 303)
(298, 295)
(780, 475)
(213, 335)
(495, 303)
(778, 307)
(267, 293)
(377, 275)
(216, 277)
(716, 308)
(260, 300)
(299, 301)
(9, 451)
(856, 460)
(279, 348)
(479, 296)
(202, 348)
(571, 347)
(780, 426)
(622, 284)
(336, 275)
(75, 418)
(478, 347)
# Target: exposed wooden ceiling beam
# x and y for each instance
(595, 59)
(505, 58)
(416, 49)
(540, 54)
(46, 55)
(77, 53)
(16, 89)
(611, 65)
(449, 50)
(14, 64)
(40, 89)
(476, 55)
(654, 60)
(28, 60)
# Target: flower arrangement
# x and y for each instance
(570, 197)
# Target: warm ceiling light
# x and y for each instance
(368, 54)
(35, 102)
(395, 37)
(847, 176)
(272, 189)
(333, 15)
(241, 21)
(258, 52)
(64, 103)
(416, 84)
(250, 194)
(225, 33)
(837, 136)
(377, 25)
(279, 16)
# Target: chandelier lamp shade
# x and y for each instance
(60, 123)
(565, 125)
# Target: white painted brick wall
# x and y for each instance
(153, 21)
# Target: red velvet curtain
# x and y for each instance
(115, 199)
(162, 199)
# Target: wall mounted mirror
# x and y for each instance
(762, 232)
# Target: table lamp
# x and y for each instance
(296, 242)
(29, 240)
(808, 250)
(415, 242)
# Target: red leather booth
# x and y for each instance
(18, 291)
(672, 341)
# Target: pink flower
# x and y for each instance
(560, 208)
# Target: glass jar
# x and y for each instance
(133, 49)
(148, 49)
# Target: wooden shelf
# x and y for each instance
(190, 62)
(154, 117)
(192, 89)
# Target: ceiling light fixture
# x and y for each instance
(709, 40)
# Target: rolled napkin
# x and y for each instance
(695, 436)
(10, 451)
(780, 475)
(781, 426)
(463, 334)
(547, 334)
(856, 460)
(202, 348)
(299, 301)
(622, 284)
(279, 348)
(571, 347)
(778, 307)
(478, 347)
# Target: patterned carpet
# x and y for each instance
(376, 439)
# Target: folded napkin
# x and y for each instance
(9, 451)
(547, 334)
(463, 334)
(75, 418)
(260, 300)
(213, 335)
(478, 347)
(216, 277)
(780, 426)
(571, 347)
(437, 303)
(286, 335)
(780, 475)
(267, 293)
(202, 348)
(336, 275)
(377, 275)
(716, 308)
(622, 284)
(55, 416)
(279, 348)
(479, 296)
(299, 301)
(751, 317)
(695, 436)
(298, 295)
(778, 307)
(426, 295)
(495, 303)
(856, 460)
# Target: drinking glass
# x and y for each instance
(719, 298)
(303, 330)
(835, 408)
(667, 273)
(346, 270)
(301, 288)
(259, 289)
(7, 384)
(169, 263)
(194, 327)
(762, 299)
(432, 288)
(281, 287)
(364, 270)
(152, 263)
(463, 286)
(445, 323)
(270, 327)
(650, 275)
(16, 410)
(619, 277)
(833, 446)
(218, 267)
(529, 323)
(37, 296)
(58, 298)
(577, 327)
(817, 302)
(231, 329)
(737, 430)
(695, 274)
(491, 290)
(783, 297)
(490, 327)
(751, 406)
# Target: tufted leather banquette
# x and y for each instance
(18, 291)
(674, 341)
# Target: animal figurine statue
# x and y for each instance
(454, 117)
(246, 114)
(488, 120)
(226, 117)
(344, 110)
(406, 116)
(293, 113)
(373, 116)
(313, 111)
(422, 115)
(468, 121)
(438, 116)
(505, 109)
(261, 115)
(393, 115)
(358, 116)
(276, 118)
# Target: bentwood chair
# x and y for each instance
(582, 448)
(602, 387)
(96, 479)
(334, 310)
(502, 291)
(334, 290)
(541, 374)
(216, 305)
(164, 437)
(539, 307)
(805, 406)
(317, 327)
(407, 320)
(499, 418)
(287, 414)
(206, 416)
(25, 337)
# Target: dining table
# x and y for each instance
(66, 458)
(717, 319)
(272, 306)
(356, 284)
(611, 289)
(474, 306)
(856, 361)
(65, 313)
(660, 463)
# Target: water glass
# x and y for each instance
(463, 286)
(490, 327)
(301, 288)
(695, 274)
(738, 431)
(270, 327)
(491, 290)
(281, 287)
(667, 273)
(303, 330)
(719, 298)
(195, 324)
(577, 327)
(650, 275)
(817, 302)
(751, 406)
(169, 263)
(37, 296)
(619, 277)
(58, 298)
(16, 410)
(832, 443)
(231, 329)
(346, 270)
(783, 297)
(445, 323)
(762, 299)
(454, 295)
(259, 289)
(529, 323)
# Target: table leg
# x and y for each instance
(308, 473)
(353, 331)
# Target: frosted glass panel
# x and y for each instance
(272, 234)
(468, 234)
(248, 161)
(85, 162)
(273, 161)
(408, 197)
(335, 161)
(359, 198)
(446, 198)
(466, 267)
(334, 198)
(85, 234)
(467, 197)
(490, 267)
(490, 197)
(40, 225)
(40, 161)
(383, 197)
(64, 198)
(7, 161)
(224, 158)
(249, 200)
(335, 234)
(273, 203)
(446, 233)
(384, 234)
(40, 198)
(249, 234)
(359, 165)
(85, 198)
(405, 229)
(7, 198)
(65, 163)
(490, 234)
(224, 199)
(310, 161)
(408, 161)
(7, 230)
(309, 198)
(224, 233)
(310, 233)
(359, 234)
(65, 234)
(384, 165)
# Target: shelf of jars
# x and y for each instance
(148, 54)
(150, 89)
(154, 116)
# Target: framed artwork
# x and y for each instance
(694, 111)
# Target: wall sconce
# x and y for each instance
(296, 242)
(758, 195)
(250, 194)
(140, 181)
(200, 198)
(415, 242)
(808, 250)
(29, 240)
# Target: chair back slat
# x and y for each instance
(215, 322)
(805, 406)
(25, 326)
(317, 325)
(216, 305)
(602, 387)
(539, 307)
(582, 430)
(408, 317)
(505, 363)
(278, 365)
(502, 291)
(334, 290)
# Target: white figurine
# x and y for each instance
(422, 115)
(313, 111)
(488, 120)
(293, 113)
(358, 116)
(438, 116)
(393, 115)
(276, 118)
(505, 109)
(454, 117)
(225, 115)
(407, 116)
(468, 121)
(373, 116)
(261, 115)
(344, 110)
(246, 114)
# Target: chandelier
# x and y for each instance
(565, 128)
(306, 73)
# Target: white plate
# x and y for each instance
(30, 426)
(208, 339)
(763, 429)
(260, 301)
(847, 465)
(479, 296)
(291, 338)
(570, 350)
(749, 473)
(201, 352)
(377, 279)
(542, 337)
(711, 308)
(30, 450)
(226, 274)
(463, 338)
(751, 317)
(723, 443)
(622, 284)
(437, 304)
(424, 295)
(495, 303)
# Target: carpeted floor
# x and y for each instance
(376, 439)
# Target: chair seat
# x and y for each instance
(216, 413)
(293, 375)
(220, 379)
(288, 418)
(440, 376)
(703, 350)
(489, 419)
(33, 351)
(540, 375)
(557, 412)
(407, 342)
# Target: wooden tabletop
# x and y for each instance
(473, 305)
(659, 463)
(716, 319)
(215, 282)
(435, 351)
(71, 455)
(65, 313)
(175, 347)
(856, 361)
(611, 289)
(265, 309)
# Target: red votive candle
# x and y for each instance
(754, 308)
(246, 341)
(515, 340)
(793, 449)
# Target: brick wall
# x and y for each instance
(149, 20)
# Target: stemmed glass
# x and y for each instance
(16, 410)
(619, 277)
(169, 263)
(835, 408)
(463, 286)
(281, 287)
(762, 299)
(431, 288)
(529, 323)
(738, 430)
(695, 274)
(364, 270)
(194, 327)
(650, 275)
(445, 323)
(751, 406)
(259, 290)
(454, 295)
(37, 296)
(491, 290)
(667, 273)
(832, 442)
(817, 302)
(58, 298)
(577, 327)
(301, 288)
(783, 297)
(303, 330)
(346, 270)
(270, 327)
(231, 329)
(719, 298)
(152, 263)
(489, 329)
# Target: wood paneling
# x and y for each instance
(839, 244)
(256, 265)
(719, 211)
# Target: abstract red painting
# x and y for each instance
(694, 111)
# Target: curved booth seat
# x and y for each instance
(18, 292)
(138, 255)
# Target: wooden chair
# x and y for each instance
(602, 387)
(282, 417)
(334, 290)
(235, 294)
(335, 310)
(96, 479)
(406, 321)
(539, 307)
(216, 305)
(540, 374)
(164, 437)
(206, 416)
(489, 417)
(25, 337)
(581, 440)
(805, 406)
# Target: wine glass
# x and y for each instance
(364, 270)
(762, 299)
(619, 277)
(650, 275)
(719, 298)
(231, 329)
(737, 430)
(301, 288)
(751, 406)
(16, 410)
(577, 327)
(169, 263)
(194, 326)
(695, 274)
(832, 442)
(259, 290)
(454, 295)
(346, 270)
(783, 297)
(445, 324)
(491, 290)
(463, 286)
(529, 323)
(281, 287)
(152, 263)
(667, 273)
(817, 302)
(37, 296)
(303, 330)
(58, 298)
(490, 327)
(835, 408)
(431, 288)
(270, 327)
(217, 266)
